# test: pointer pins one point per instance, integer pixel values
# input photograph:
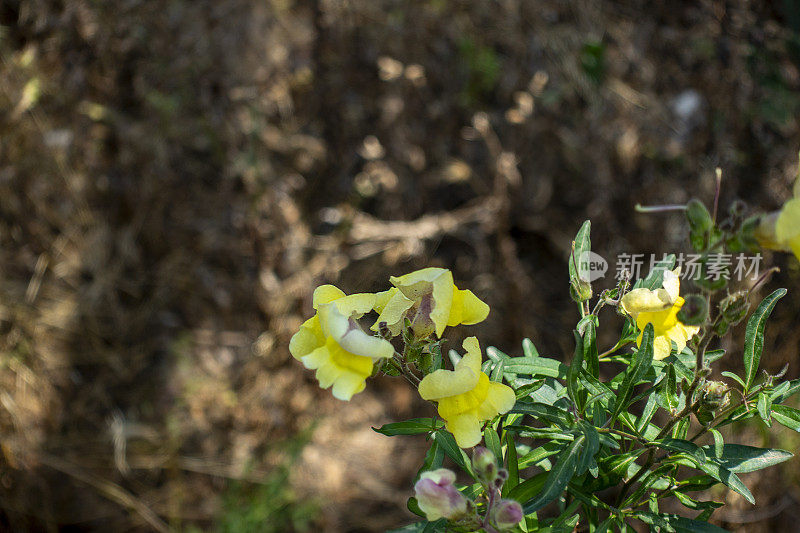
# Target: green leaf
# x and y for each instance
(529, 488)
(414, 426)
(542, 452)
(448, 443)
(669, 391)
(544, 411)
(734, 377)
(684, 446)
(677, 524)
(559, 477)
(591, 448)
(649, 410)
(536, 366)
(718, 472)
(642, 361)
(754, 336)
(583, 243)
(529, 349)
(719, 445)
(433, 459)
(525, 390)
(492, 441)
(590, 354)
(576, 393)
(512, 464)
(786, 416)
(764, 406)
(786, 389)
(498, 371)
(739, 458)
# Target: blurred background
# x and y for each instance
(177, 176)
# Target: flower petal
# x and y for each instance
(644, 300)
(393, 311)
(444, 383)
(466, 429)
(325, 294)
(307, 339)
(467, 309)
(787, 227)
(500, 399)
(347, 385)
(662, 347)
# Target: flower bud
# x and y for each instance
(437, 497)
(734, 307)
(507, 514)
(484, 464)
(714, 394)
(698, 216)
(694, 311)
(580, 290)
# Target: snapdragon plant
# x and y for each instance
(550, 443)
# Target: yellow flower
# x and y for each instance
(787, 226)
(430, 299)
(780, 230)
(660, 308)
(332, 343)
(466, 397)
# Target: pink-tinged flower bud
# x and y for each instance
(484, 464)
(438, 497)
(507, 514)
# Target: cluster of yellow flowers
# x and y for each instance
(781, 230)
(660, 308)
(344, 356)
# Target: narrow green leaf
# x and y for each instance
(590, 354)
(544, 411)
(786, 416)
(529, 349)
(529, 488)
(512, 464)
(448, 443)
(414, 426)
(716, 471)
(739, 458)
(754, 336)
(583, 243)
(492, 441)
(559, 476)
(786, 389)
(525, 390)
(433, 459)
(764, 406)
(734, 377)
(575, 367)
(649, 410)
(642, 361)
(590, 449)
(719, 445)
(536, 366)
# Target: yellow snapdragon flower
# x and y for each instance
(780, 230)
(430, 300)
(660, 308)
(466, 397)
(787, 227)
(332, 343)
